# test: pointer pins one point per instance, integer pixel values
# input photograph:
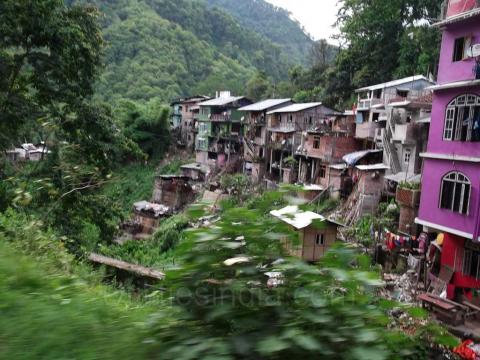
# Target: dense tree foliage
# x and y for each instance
(273, 22)
(166, 49)
(50, 57)
(47, 66)
(380, 41)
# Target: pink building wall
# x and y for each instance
(435, 169)
(448, 70)
(436, 144)
(433, 172)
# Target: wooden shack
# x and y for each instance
(148, 216)
(196, 171)
(173, 191)
(316, 233)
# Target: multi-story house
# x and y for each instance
(286, 127)
(405, 136)
(219, 139)
(256, 136)
(183, 118)
(322, 149)
(372, 101)
(176, 114)
(450, 200)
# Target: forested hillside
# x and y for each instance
(168, 48)
(273, 22)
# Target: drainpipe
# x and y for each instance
(476, 231)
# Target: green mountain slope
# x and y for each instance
(272, 22)
(170, 48)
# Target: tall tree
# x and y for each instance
(49, 57)
(377, 46)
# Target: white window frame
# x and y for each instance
(453, 124)
(458, 179)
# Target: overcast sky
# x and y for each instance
(316, 16)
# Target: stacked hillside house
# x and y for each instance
(219, 139)
(176, 114)
(322, 149)
(450, 199)
(184, 117)
(392, 127)
(255, 138)
(405, 136)
(372, 112)
(286, 128)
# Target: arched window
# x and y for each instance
(462, 119)
(455, 194)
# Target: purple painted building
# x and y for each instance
(450, 201)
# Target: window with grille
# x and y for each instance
(462, 119)
(316, 142)
(455, 193)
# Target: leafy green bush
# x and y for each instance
(158, 251)
(51, 315)
(229, 309)
(409, 185)
(237, 185)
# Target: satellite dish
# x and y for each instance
(474, 51)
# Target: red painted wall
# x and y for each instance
(451, 244)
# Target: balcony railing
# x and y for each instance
(366, 104)
(283, 128)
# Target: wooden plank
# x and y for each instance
(471, 306)
(122, 265)
(449, 301)
(439, 303)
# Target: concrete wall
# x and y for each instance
(332, 148)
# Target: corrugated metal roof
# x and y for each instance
(403, 176)
(373, 167)
(353, 158)
(222, 101)
(299, 219)
(338, 166)
(394, 83)
(264, 105)
(295, 108)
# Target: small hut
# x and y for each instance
(316, 233)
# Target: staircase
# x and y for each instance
(351, 208)
(249, 148)
(390, 149)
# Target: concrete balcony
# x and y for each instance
(366, 104)
(404, 133)
(366, 130)
(285, 129)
